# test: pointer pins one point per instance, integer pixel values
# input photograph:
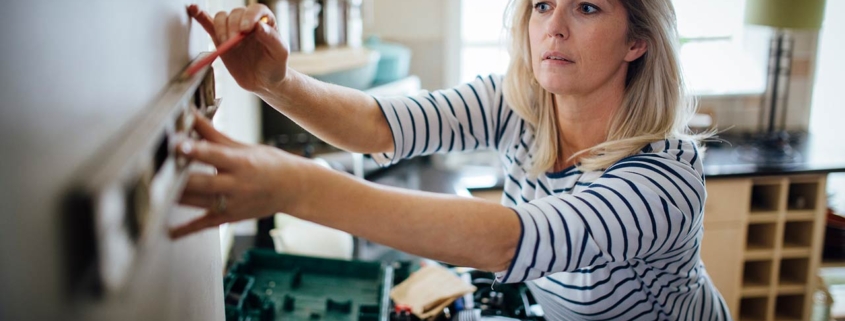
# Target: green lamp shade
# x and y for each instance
(792, 14)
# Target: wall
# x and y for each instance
(741, 113)
(73, 76)
(828, 113)
(425, 26)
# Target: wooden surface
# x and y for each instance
(776, 225)
(720, 252)
(328, 60)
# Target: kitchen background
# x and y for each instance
(78, 75)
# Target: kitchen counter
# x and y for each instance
(818, 155)
(722, 160)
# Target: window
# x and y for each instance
(720, 54)
(483, 47)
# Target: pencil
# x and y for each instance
(222, 49)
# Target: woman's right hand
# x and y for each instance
(259, 62)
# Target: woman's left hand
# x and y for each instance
(252, 181)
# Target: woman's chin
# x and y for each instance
(557, 87)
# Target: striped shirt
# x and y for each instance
(618, 244)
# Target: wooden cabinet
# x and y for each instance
(721, 253)
(722, 248)
(762, 243)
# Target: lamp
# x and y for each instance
(773, 146)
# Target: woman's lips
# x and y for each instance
(556, 58)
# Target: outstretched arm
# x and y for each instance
(260, 181)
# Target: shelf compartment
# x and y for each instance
(789, 307)
(754, 291)
(797, 235)
(802, 196)
(794, 272)
(763, 217)
(754, 308)
(792, 289)
(759, 254)
(765, 198)
(795, 252)
(757, 275)
(800, 215)
(761, 236)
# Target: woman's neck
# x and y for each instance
(583, 122)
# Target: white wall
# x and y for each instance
(828, 111)
(73, 75)
(828, 114)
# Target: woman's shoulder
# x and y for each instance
(669, 145)
(485, 89)
(493, 82)
(672, 152)
(494, 77)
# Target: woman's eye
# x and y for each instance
(542, 7)
(588, 8)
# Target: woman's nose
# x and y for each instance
(556, 26)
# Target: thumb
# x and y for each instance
(270, 38)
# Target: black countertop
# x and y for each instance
(817, 155)
(724, 159)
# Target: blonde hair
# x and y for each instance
(655, 106)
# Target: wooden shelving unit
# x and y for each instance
(781, 225)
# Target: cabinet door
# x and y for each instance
(728, 200)
(721, 252)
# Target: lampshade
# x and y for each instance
(792, 14)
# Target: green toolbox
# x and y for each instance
(268, 286)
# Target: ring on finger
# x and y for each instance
(220, 204)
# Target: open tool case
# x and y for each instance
(267, 286)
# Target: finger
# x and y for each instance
(253, 15)
(212, 154)
(209, 185)
(234, 22)
(206, 221)
(206, 129)
(198, 200)
(204, 20)
(271, 38)
(220, 26)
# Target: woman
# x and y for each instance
(603, 203)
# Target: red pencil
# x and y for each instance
(222, 49)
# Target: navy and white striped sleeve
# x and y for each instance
(644, 206)
(463, 118)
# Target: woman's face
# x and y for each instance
(578, 46)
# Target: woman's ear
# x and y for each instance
(636, 50)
